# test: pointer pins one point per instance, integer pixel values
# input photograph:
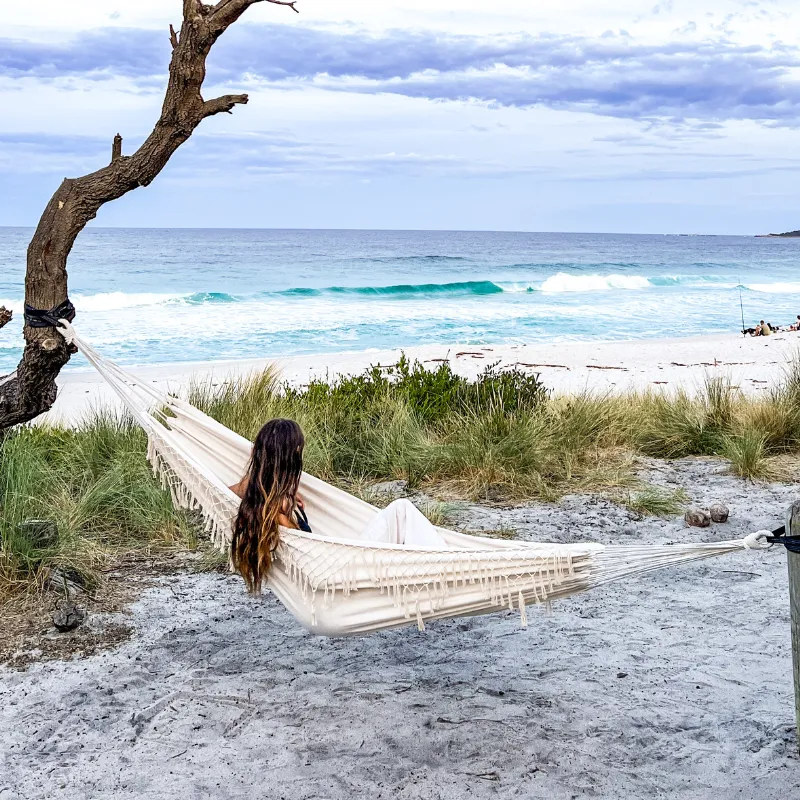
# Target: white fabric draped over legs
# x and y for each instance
(401, 522)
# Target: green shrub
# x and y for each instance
(432, 395)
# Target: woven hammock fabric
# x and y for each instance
(336, 585)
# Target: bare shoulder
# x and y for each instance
(287, 522)
(239, 488)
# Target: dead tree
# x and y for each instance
(31, 389)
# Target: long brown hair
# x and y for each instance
(273, 477)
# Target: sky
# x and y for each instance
(667, 117)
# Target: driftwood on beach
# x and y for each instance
(31, 389)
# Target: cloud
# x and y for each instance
(269, 153)
(725, 173)
(127, 52)
(614, 76)
(255, 154)
(47, 153)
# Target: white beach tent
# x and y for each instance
(336, 585)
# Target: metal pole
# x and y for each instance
(793, 529)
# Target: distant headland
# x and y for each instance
(787, 235)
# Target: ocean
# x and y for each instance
(166, 296)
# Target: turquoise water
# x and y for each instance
(161, 296)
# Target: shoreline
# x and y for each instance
(754, 364)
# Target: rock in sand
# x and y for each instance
(697, 517)
(68, 616)
(719, 512)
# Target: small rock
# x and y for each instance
(622, 674)
(719, 512)
(68, 616)
(697, 517)
(67, 583)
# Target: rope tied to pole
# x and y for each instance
(760, 540)
(763, 540)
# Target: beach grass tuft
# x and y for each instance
(95, 484)
(437, 512)
(747, 452)
(657, 501)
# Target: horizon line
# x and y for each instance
(398, 230)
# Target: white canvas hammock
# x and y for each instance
(336, 585)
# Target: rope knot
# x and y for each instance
(757, 541)
(64, 327)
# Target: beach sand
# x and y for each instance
(753, 364)
(676, 684)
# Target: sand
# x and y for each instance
(676, 684)
(754, 364)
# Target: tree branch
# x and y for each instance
(31, 390)
(226, 12)
(5, 316)
(224, 104)
(290, 3)
(193, 9)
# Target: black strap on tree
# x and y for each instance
(36, 318)
(791, 543)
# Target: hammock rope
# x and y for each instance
(333, 583)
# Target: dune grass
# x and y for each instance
(657, 502)
(501, 438)
(96, 485)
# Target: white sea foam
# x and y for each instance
(775, 288)
(563, 282)
(115, 301)
(515, 287)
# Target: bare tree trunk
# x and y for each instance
(31, 390)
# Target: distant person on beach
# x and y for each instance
(762, 329)
(795, 326)
(271, 500)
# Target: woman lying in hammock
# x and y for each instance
(271, 500)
